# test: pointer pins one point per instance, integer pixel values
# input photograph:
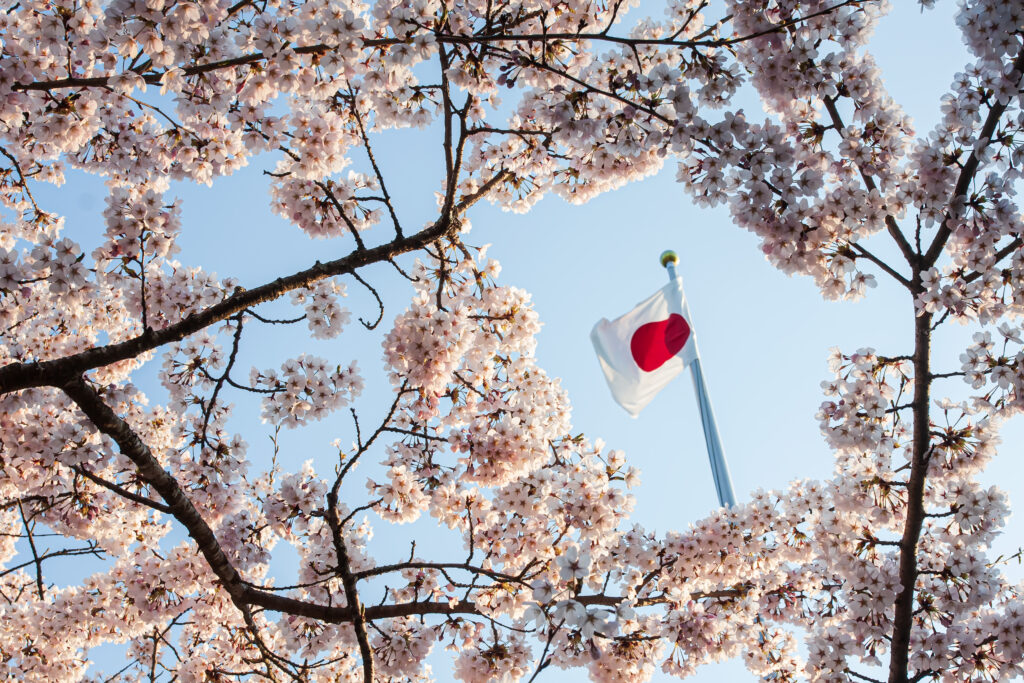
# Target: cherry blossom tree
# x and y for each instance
(882, 572)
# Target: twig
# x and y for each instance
(380, 304)
(35, 554)
(123, 492)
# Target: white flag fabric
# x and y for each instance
(645, 349)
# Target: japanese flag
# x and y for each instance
(644, 349)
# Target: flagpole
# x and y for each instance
(719, 469)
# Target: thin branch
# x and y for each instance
(864, 253)
(373, 163)
(114, 676)
(419, 435)
(123, 492)
(90, 549)
(361, 508)
(890, 223)
(380, 304)
(943, 375)
(851, 672)
(942, 319)
(388, 568)
(35, 554)
(401, 272)
(22, 179)
(341, 212)
(542, 662)
(274, 321)
(211, 405)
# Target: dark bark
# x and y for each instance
(903, 618)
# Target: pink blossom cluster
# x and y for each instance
(305, 389)
(325, 318)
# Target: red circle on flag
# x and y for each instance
(653, 344)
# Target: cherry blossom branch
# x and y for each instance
(1000, 255)
(336, 524)
(694, 11)
(529, 61)
(603, 36)
(196, 69)
(161, 636)
(308, 584)
(864, 253)
(132, 447)
(942, 319)
(16, 376)
(22, 179)
(542, 661)
(473, 197)
(945, 375)
(968, 171)
(320, 49)
(117, 674)
(373, 164)
(152, 660)
(178, 504)
(46, 501)
(890, 223)
(614, 600)
(418, 435)
(210, 405)
(452, 153)
(903, 618)
(341, 213)
(361, 508)
(270, 659)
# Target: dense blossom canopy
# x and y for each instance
(880, 572)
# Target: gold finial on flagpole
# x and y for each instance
(669, 257)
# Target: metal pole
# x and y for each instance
(719, 469)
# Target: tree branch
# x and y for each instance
(55, 372)
(864, 253)
(123, 492)
(967, 173)
(890, 223)
(449, 39)
(903, 617)
(35, 554)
